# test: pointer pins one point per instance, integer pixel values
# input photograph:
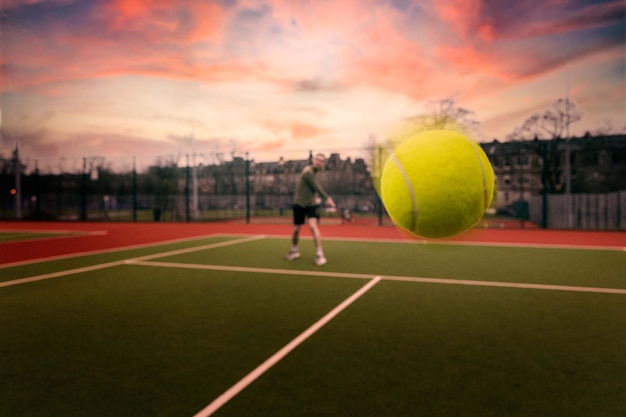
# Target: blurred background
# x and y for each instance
(205, 110)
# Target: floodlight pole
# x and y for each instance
(194, 186)
(379, 173)
(18, 184)
(83, 191)
(247, 188)
(187, 214)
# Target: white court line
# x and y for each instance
(119, 249)
(284, 351)
(452, 242)
(444, 242)
(369, 240)
(254, 270)
(388, 277)
(509, 285)
(126, 261)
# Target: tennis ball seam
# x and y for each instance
(409, 185)
(482, 172)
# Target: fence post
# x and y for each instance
(134, 186)
(379, 174)
(619, 210)
(83, 191)
(37, 192)
(544, 186)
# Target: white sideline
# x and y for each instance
(423, 280)
(284, 351)
(253, 270)
(126, 261)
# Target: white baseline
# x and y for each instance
(127, 261)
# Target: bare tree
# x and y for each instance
(551, 123)
(546, 128)
(606, 127)
(443, 114)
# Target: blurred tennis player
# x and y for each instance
(306, 207)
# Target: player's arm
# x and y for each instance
(315, 185)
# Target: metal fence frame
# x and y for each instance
(580, 211)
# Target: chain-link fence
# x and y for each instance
(173, 189)
(211, 187)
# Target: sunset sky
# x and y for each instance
(281, 77)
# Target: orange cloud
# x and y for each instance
(265, 146)
(469, 59)
(297, 130)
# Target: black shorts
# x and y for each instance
(300, 213)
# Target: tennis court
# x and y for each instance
(219, 324)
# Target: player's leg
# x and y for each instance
(294, 253)
(295, 237)
(320, 259)
(315, 231)
(298, 220)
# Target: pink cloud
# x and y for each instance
(126, 37)
(154, 19)
(387, 59)
(460, 15)
(489, 21)
(427, 50)
(586, 17)
(318, 17)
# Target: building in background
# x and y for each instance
(527, 168)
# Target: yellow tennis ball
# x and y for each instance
(437, 184)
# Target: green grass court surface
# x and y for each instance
(224, 326)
